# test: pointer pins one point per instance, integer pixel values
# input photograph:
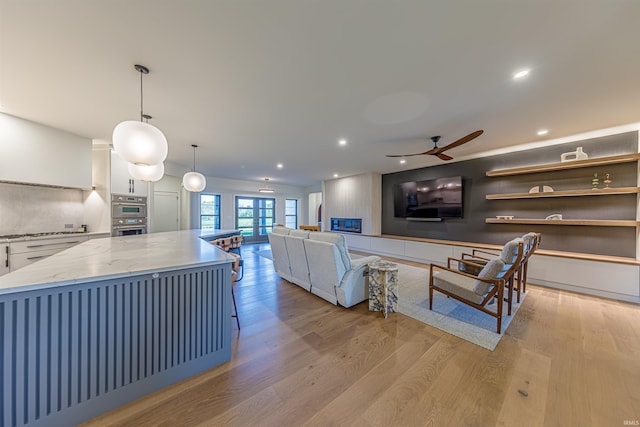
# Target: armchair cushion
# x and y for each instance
(469, 288)
(492, 270)
(509, 252)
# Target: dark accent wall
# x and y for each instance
(615, 241)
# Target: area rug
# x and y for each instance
(448, 314)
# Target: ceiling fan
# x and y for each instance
(437, 151)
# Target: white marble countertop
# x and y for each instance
(62, 235)
(113, 257)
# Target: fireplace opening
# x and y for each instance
(347, 225)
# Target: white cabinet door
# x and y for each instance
(29, 251)
(4, 258)
(36, 154)
(122, 182)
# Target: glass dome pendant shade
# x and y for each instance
(138, 142)
(146, 173)
(194, 181)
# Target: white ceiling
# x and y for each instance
(261, 82)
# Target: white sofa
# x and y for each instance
(320, 263)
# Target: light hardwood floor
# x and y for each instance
(565, 360)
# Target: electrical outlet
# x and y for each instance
(68, 226)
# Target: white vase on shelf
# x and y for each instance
(574, 155)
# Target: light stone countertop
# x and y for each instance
(114, 257)
(62, 235)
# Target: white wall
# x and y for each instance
(315, 200)
(228, 189)
(97, 201)
(358, 196)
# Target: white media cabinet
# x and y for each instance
(611, 277)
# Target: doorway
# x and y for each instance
(166, 211)
(254, 218)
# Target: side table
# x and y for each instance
(383, 285)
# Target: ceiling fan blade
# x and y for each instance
(444, 156)
(408, 155)
(463, 140)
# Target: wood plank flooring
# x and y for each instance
(565, 360)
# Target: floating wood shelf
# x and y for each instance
(589, 222)
(566, 193)
(574, 164)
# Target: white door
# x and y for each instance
(166, 211)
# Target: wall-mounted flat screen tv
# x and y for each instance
(433, 198)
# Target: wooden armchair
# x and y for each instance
(511, 255)
(475, 291)
(532, 243)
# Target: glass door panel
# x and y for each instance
(255, 217)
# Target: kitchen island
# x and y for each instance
(108, 321)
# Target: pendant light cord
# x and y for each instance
(194, 157)
(141, 109)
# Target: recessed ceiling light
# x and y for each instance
(342, 142)
(280, 165)
(403, 161)
(542, 132)
(521, 74)
(335, 175)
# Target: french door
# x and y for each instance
(255, 217)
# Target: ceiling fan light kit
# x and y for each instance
(194, 181)
(438, 151)
(140, 143)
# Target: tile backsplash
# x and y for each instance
(33, 209)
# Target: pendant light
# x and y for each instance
(194, 181)
(138, 142)
(266, 188)
(146, 173)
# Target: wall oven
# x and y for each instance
(128, 215)
(128, 207)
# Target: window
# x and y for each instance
(210, 211)
(291, 213)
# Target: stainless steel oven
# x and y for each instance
(128, 215)
(128, 207)
(128, 226)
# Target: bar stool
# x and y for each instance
(231, 245)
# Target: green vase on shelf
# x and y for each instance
(595, 182)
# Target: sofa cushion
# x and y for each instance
(281, 230)
(336, 239)
(298, 261)
(302, 234)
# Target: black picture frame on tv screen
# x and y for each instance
(432, 198)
